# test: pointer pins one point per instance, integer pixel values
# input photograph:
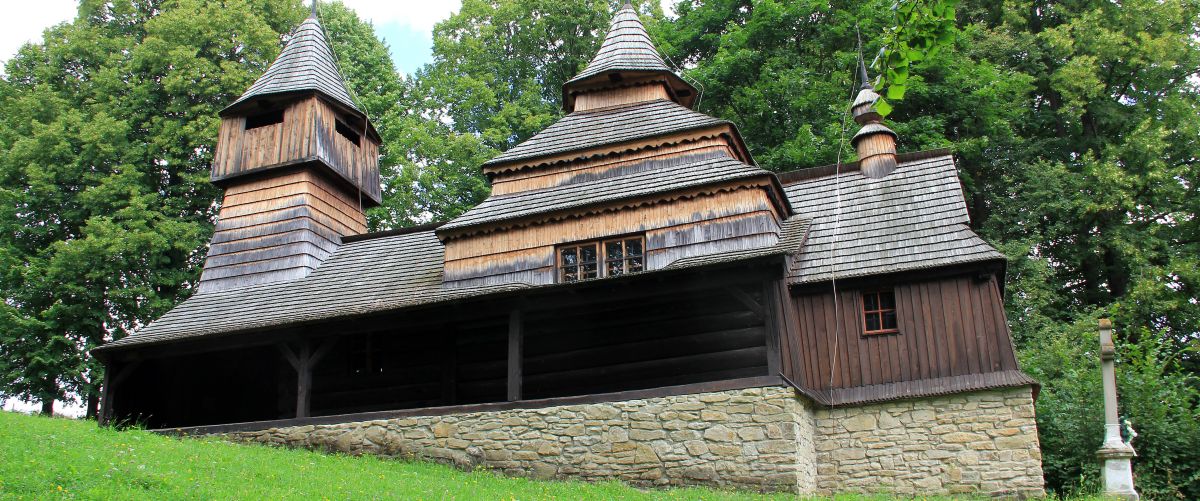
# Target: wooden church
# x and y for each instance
(636, 299)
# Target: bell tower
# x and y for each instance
(299, 162)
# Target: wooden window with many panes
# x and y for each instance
(879, 312)
(605, 258)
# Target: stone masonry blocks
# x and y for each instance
(983, 442)
(758, 439)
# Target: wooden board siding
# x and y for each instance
(619, 96)
(527, 253)
(948, 327)
(357, 163)
(278, 228)
(560, 174)
(307, 133)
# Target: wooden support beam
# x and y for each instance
(113, 377)
(746, 300)
(450, 368)
(304, 380)
(772, 323)
(303, 361)
(515, 349)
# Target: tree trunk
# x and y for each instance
(93, 405)
(48, 407)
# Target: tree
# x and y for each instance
(104, 168)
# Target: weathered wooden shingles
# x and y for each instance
(367, 276)
(633, 181)
(627, 47)
(305, 64)
(915, 218)
(588, 129)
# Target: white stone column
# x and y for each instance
(1115, 453)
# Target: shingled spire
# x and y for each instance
(306, 64)
(875, 143)
(626, 59)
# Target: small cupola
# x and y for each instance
(626, 69)
(874, 143)
(299, 162)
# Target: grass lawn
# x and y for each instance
(53, 458)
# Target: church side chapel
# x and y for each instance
(637, 299)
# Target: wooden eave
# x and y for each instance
(679, 89)
(481, 301)
(644, 143)
(369, 199)
(767, 181)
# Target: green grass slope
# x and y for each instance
(45, 458)
(53, 458)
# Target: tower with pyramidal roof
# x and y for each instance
(299, 162)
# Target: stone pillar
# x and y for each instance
(1115, 453)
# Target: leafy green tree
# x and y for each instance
(104, 167)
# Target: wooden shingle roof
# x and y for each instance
(373, 275)
(626, 47)
(584, 130)
(915, 218)
(306, 64)
(628, 182)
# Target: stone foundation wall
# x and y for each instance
(982, 442)
(759, 439)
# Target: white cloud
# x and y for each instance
(24, 22)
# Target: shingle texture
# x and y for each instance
(633, 181)
(305, 64)
(588, 129)
(915, 218)
(627, 47)
(367, 276)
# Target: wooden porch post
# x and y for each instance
(515, 341)
(771, 324)
(303, 362)
(450, 368)
(114, 374)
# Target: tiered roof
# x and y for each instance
(837, 224)
(583, 130)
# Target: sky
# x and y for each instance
(406, 25)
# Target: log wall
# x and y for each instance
(947, 327)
